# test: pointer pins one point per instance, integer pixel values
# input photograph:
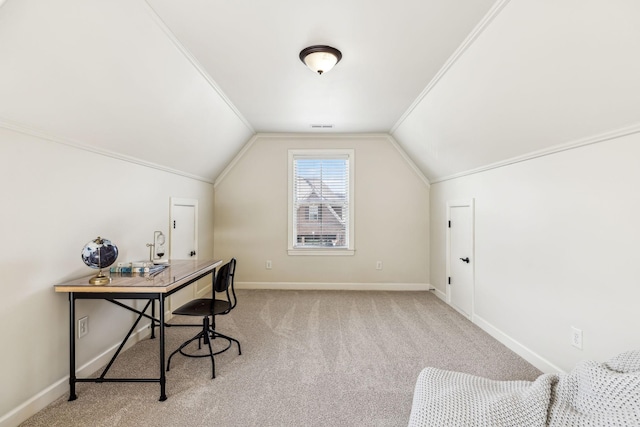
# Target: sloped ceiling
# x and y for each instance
(104, 75)
(542, 75)
(183, 85)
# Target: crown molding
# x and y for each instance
(471, 38)
(409, 162)
(318, 135)
(385, 136)
(572, 145)
(246, 147)
(307, 135)
(37, 133)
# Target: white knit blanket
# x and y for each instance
(593, 394)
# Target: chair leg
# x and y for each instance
(202, 335)
(184, 344)
(208, 341)
(215, 334)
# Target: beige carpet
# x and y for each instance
(309, 358)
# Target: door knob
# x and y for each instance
(465, 260)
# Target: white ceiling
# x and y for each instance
(391, 50)
(185, 84)
(542, 74)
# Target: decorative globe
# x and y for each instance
(99, 253)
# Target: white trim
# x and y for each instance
(471, 38)
(179, 201)
(527, 354)
(321, 252)
(194, 62)
(409, 162)
(31, 131)
(190, 203)
(595, 139)
(257, 136)
(183, 201)
(321, 153)
(247, 146)
(311, 135)
(471, 205)
(61, 387)
(334, 286)
(439, 294)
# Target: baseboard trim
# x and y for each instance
(334, 286)
(526, 353)
(61, 387)
(440, 294)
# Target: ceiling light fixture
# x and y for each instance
(320, 59)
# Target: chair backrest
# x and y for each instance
(224, 281)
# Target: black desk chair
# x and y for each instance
(210, 308)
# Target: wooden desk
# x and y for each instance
(175, 277)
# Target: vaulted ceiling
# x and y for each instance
(185, 84)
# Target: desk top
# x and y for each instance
(178, 273)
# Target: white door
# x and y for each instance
(183, 242)
(461, 257)
(183, 231)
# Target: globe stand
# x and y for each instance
(100, 279)
(99, 253)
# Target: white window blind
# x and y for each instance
(320, 201)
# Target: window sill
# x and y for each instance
(322, 252)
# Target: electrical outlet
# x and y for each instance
(83, 326)
(576, 337)
(267, 264)
(378, 265)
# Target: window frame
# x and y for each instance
(294, 154)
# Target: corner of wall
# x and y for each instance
(236, 159)
(60, 387)
(408, 160)
(526, 353)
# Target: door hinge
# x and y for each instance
(449, 280)
(449, 224)
(174, 224)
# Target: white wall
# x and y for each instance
(557, 245)
(55, 198)
(391, 217)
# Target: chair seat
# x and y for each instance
(208, 308)
(203, 307)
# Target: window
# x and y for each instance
(320, 202)
(313, 213)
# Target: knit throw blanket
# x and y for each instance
(593, 394)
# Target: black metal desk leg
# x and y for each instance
(153, 322)
(72, 347)
(163, 378)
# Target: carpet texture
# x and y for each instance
(309, 358)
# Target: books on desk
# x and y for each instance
(142, 268)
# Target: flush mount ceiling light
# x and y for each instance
(320, 59)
